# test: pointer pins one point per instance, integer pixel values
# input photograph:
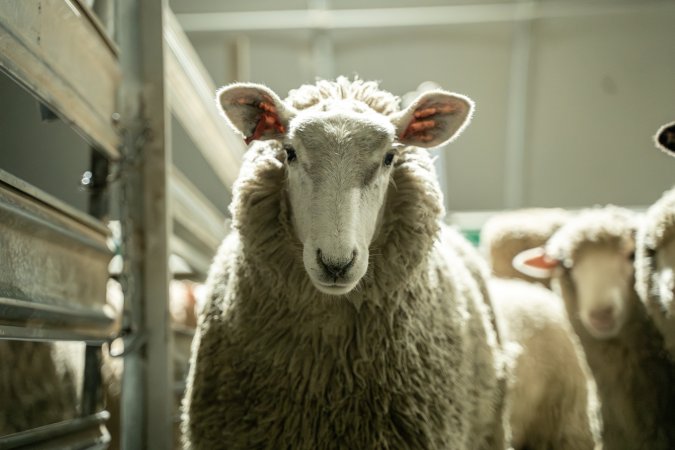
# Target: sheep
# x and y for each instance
(590, 260)
(505, 235)
(39, 384)
(665, 139)
(655, 266)
(337, 317)
(553, 400)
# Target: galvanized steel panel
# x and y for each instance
(53, 263)
(57, 52)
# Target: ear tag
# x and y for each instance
(535, 263)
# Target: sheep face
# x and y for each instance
(604, 279)
(339, 166)
(340, 155)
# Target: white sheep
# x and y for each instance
(337, 316)
(590, 259)
(38, 385)
(552, 397)
(506, 234)
(655, 266)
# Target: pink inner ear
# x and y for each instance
(421, 125)
(269, 120)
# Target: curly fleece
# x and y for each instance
(633, 375)
(656, 232)
(409, 362)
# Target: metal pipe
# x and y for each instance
(147, 386)
(516, 119)
(368, 18)
(57, 430)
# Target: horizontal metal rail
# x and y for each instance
(26, 311)
(10, 182)
(65, 62)
(191, 94)
(51, 255)
(415, 17)
(48, 435)
(199, 227)
(9, 332)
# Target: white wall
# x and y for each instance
(598, 89)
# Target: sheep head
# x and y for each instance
(595, 253)
(339, 157)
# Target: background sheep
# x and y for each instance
(655, 266)
(590, 259)
(553, 401)
(358, 328)
(40, 384)
(507, 234)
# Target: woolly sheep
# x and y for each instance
(590, 261)
(655, 266)
(552, 398)
(337, 316)
(506, 234)
(39, 383)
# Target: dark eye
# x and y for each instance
(632, 256)
(290, 153)
(388, 159)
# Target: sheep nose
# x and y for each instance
(335, 268)
(602, 317)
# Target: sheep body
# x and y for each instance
(506, 234)
(40, 384)
(553, 401)
(406, 360)
(633, 375)
(655, 266)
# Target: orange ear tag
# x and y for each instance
(535, 263)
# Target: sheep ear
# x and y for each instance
(254, 110)
(535, 263)
(433, 119)
(665, 138)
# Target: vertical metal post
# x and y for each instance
(97, 186)
(516, 117)
(323, 51)
(147, 394)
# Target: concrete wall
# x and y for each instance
(598, 88)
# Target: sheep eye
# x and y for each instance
(290, 153)
(632, 256)
(388, 159)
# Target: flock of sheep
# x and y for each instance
(343, 314)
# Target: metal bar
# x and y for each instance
(24, 310)
(48, 335)
(421, 17)
(91, 387)
(191, 97)
(58, 55)
(147, 401)
(195, 212)
(48, 432)
(516, 122)
(198, 259)
(10, 182)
